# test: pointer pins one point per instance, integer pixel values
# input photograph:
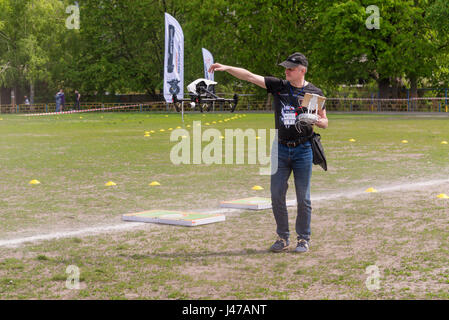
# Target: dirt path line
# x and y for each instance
(75, 233)
(383, 189)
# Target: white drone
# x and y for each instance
(193, 86)
(201, 93)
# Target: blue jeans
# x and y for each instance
(299, 160)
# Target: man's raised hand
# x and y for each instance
(217, 67)
(239, 73)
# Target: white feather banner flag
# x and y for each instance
(174, 59)
(208, 61)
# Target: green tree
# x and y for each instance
(31, 36)
(437, 14)
(256, 35)
(122, 47)
(349, 53)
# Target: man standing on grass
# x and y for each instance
(61, 92)
(294, 148)
(60, 101)
(76, 106)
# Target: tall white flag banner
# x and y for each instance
(208, 61)
(174, 59)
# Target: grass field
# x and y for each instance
(404, 232)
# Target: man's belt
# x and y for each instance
(293, 143)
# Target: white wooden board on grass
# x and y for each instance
(181, 218)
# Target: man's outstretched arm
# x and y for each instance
(240, 73)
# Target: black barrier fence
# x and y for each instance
(248, 103)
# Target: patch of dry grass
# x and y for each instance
(406, 239)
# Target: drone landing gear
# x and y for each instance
(204, 107)
(236, 100)
(205, 104)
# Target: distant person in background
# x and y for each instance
(27, 101)
(77, 100)
(60, 100)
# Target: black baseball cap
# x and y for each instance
(295, 60)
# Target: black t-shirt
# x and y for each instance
(287, 100)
